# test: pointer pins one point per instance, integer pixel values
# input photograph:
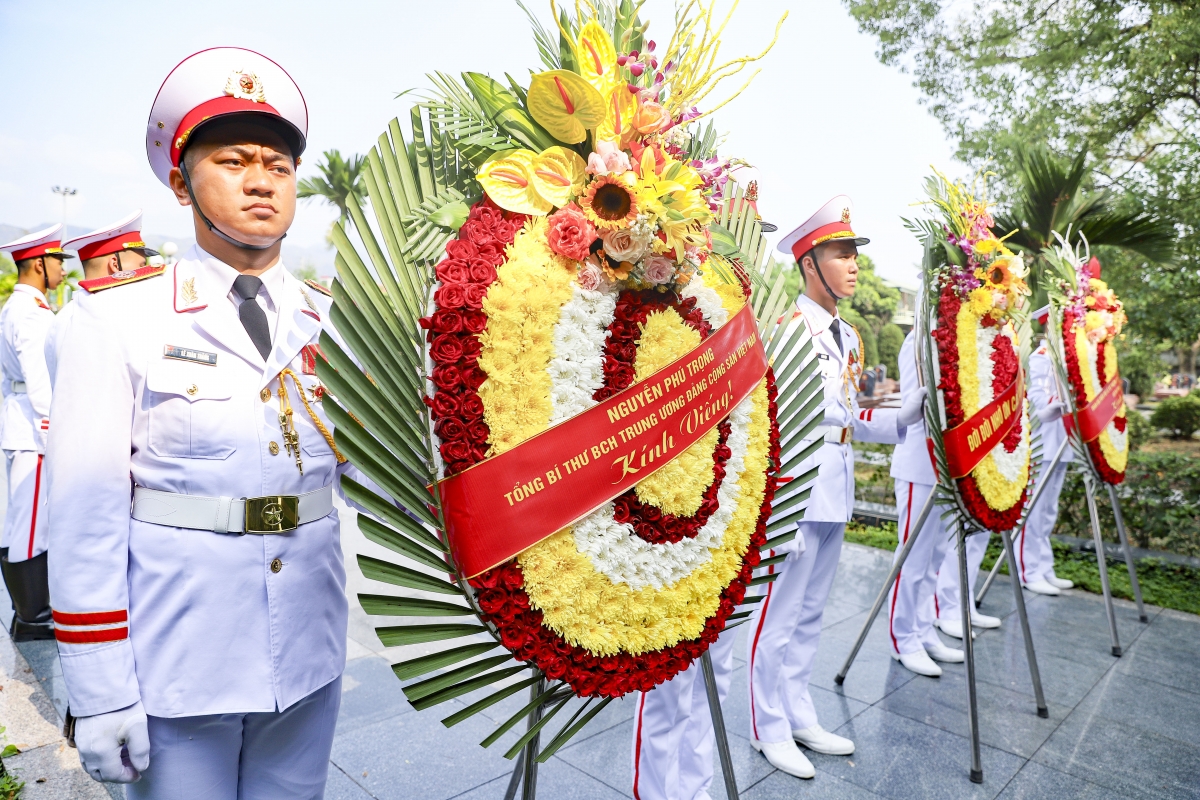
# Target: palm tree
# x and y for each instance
(1052, 199)
(339, 179)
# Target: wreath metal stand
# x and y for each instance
(1089, 482)
(524, 774)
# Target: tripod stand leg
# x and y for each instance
(887, 585)
(1133, 579)
(964, 588)
(987, 584)
(530, 752)
(518, 770)
(1102, 562)
(1044, 473)
(1034, 674)
(718, 721)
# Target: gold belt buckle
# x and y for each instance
(272, 514)
(847, 435)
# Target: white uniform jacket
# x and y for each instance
(189, 621)
(55, 334)
(910, 460)
(833, 492)
(1043, 390)
(24, 322)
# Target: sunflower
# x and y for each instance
(609, 203)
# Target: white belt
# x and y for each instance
(258, 515)
(834, 435)
(18, 387)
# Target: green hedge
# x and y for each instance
(1160, 500)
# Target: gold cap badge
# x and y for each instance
(245, 85)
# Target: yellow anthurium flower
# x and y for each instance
(597, 57)
(619, 108)
(565, 104)
(509, 182)
(556, 173)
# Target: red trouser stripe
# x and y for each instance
(754, 649)
(92, 636)
(91, 617)
(37, 491)
(637, 759)
(896, 585)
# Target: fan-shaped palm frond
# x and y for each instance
(418, 186)
(1052, 198)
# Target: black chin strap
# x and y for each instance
(817, 266)
(187, 181)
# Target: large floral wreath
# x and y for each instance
(979, 292)
(1092, 319)
(523, 336)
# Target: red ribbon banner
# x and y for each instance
(1095, 416)
(968, 442)
(512, 501)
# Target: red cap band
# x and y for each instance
(217, 107)
(825, 233)
(43, 249)
(123, 241)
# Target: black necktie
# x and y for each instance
(835, 328)
(253, 318)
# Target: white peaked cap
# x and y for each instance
(218, 82)
(831, 222)
(45, 242)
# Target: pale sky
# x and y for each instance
(77, 80)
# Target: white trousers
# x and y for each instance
(673, 736)
(785, 629)
(910, 622)
(1035, 557)
(259, 756)
(25, 521)
(947, 596)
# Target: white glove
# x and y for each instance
(114, 747)
(1052, 412)
(912, 409)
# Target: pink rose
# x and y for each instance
(608, 158)
(571, 234)
(620, 245)
(589, 276)
(659, 270)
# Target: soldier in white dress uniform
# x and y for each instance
(115, 249)
(912, 639)
(1035, 557)
(786, 625)
(201, 660)
(23, 426)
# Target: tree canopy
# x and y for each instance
(1120, 80)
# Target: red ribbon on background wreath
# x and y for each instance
(510, 502)
(968, 443)
(1095, 416)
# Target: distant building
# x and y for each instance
(906, 310)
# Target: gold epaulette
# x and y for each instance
(317, 287)
(122, 278)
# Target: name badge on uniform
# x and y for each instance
(824, 356)
(188, 354)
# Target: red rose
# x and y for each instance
(571, 234)
(492, 253)
(473, 296)
(453, 270)
(450, 430)
(460, 248)
(452, 295)
(446, 349)
(447, 378)
(478, 433)
(474, 377)
(447, 320)
(444, 403)
(471, 407)
(471, 348)
(478, 233)
(474, 321)
(482, 271)
(621, 509)
(454, 451)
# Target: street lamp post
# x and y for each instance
(66, 192)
